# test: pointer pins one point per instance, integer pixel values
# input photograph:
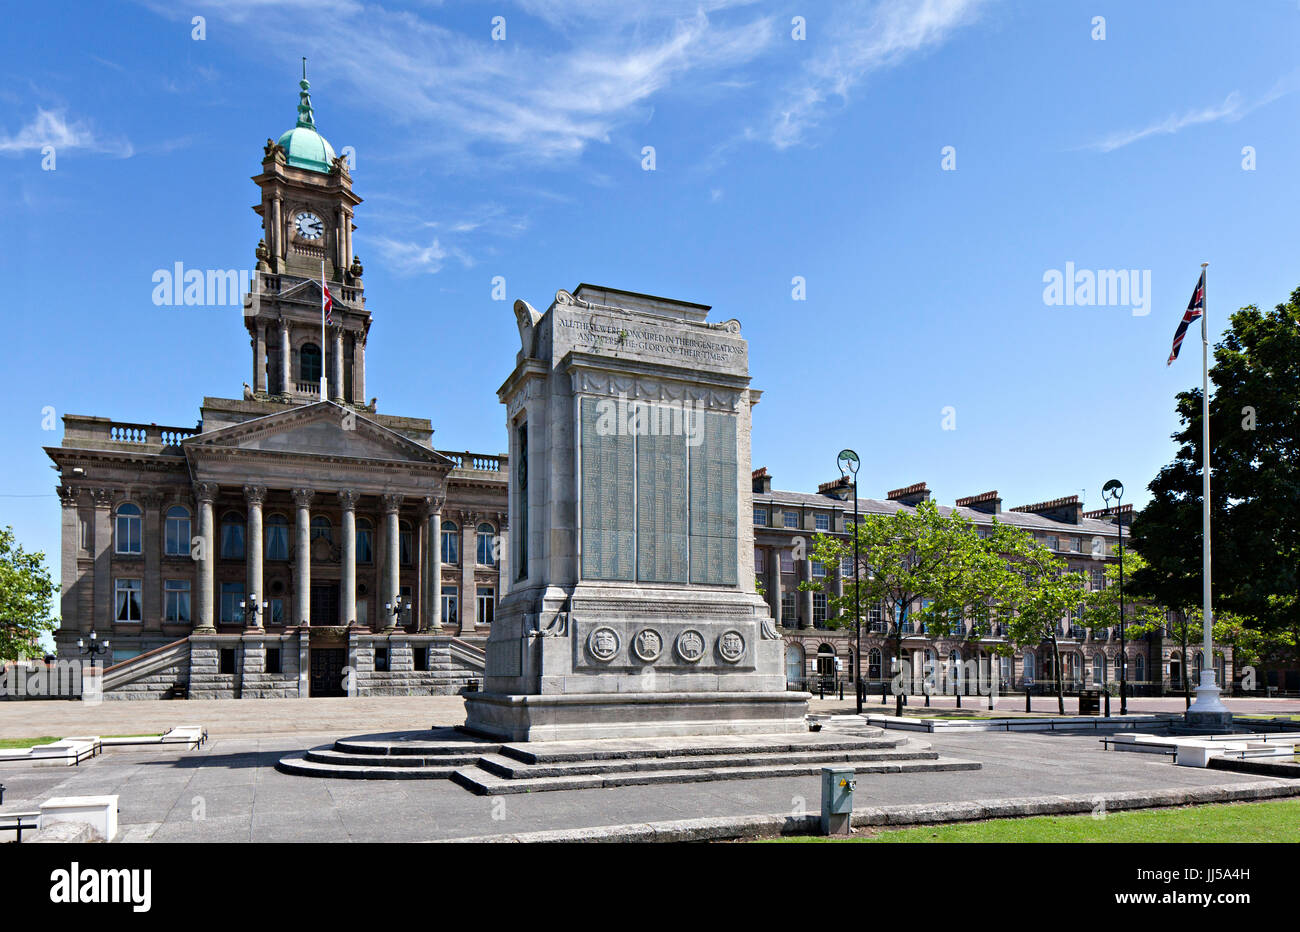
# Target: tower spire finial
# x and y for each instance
(305, 116)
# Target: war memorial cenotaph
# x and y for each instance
(632, 609)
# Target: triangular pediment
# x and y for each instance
(321, 430)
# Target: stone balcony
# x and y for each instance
(101, 433)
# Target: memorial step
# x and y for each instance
(503, 766)
(541, 752)
(483, 783)
(298, 765)
(332, 755)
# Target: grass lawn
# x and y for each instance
(9, 744)
(1277, 820)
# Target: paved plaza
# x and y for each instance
(230, 791)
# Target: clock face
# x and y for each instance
(309, 225)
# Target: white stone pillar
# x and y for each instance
(286, 359)
(336, 390)
(302, 555)
(348, 588)
(433, 552)
(392, 556)
(205, 493)
(254, 594)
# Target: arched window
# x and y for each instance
(1027, 667)
(176, 532)
(309, 363)
(1175, 670)
(450, 542)
(1220, 668)
(794, 664)
(486, 539)
(232, 536)
(1099, 668)
(365, 541)
(321, 527)
(1200, 664)
(1140, 668)
(127, 529)
(826, 660)
(277, 537)
(873, 664)
(954, 669)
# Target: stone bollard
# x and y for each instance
(838, 784)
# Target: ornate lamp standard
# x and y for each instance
(848, 462)
(1114, 490)
(252, 608)
(94, 648)
(394, 608)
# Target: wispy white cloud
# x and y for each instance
(53, 128)
(865, 37)
(1233, 108)
(409, 257)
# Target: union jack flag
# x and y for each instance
(1195, 308)
(327, 302)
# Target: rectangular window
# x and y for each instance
(760, 516)
(486, 548)
(1053, 542)
(227, 661)
(846, 567)
(788, 609)
(450, 543)
(232, 540)
(818, 569)
(787, 561)
(819, 608)
(876, 616)
(365, 543)
(277, 538)
(275, 611)
(232, 593)
(450, 603)
(176, 533)
(176, 601)
(822, 522)
(790, 519)
(381, 659)
(760, 562)
(406, 546)
(128, 530)
(273, 660)
(127, 602)
(1075, 544)
(487, 603)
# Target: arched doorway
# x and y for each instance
(1175, 671)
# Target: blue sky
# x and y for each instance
(774, 158)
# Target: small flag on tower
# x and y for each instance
(1195, 308)
(327, 301)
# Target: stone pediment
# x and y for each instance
(320, 430)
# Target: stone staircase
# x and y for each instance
(492, 769)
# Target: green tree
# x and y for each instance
(26, 591)
(1255, 488)
(905, 557)
(1043, 596)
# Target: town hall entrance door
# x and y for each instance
(327, 671)
(325, 604)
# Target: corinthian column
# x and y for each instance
(392, 555)
(205, 493)
(348, 594)
(254, 595)
(302, 555)
(433, 554)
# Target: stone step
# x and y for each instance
(547, 752)
(328, 755)
(298, 765)
(436, 741)
(483, 783)
(507, 767)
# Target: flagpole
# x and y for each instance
(324, 382)
(1207, 713)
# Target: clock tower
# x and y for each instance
(306, 209)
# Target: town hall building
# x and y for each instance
(296, 541)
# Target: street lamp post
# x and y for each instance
(1114, 490)
(848, 462)
(252, 608)
(94, 648)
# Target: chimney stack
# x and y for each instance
(987, 502)
(1068, 509)
(1121, 515)
(761, 480)
(911, 496)
(840, 488)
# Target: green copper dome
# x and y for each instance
(303, 145)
